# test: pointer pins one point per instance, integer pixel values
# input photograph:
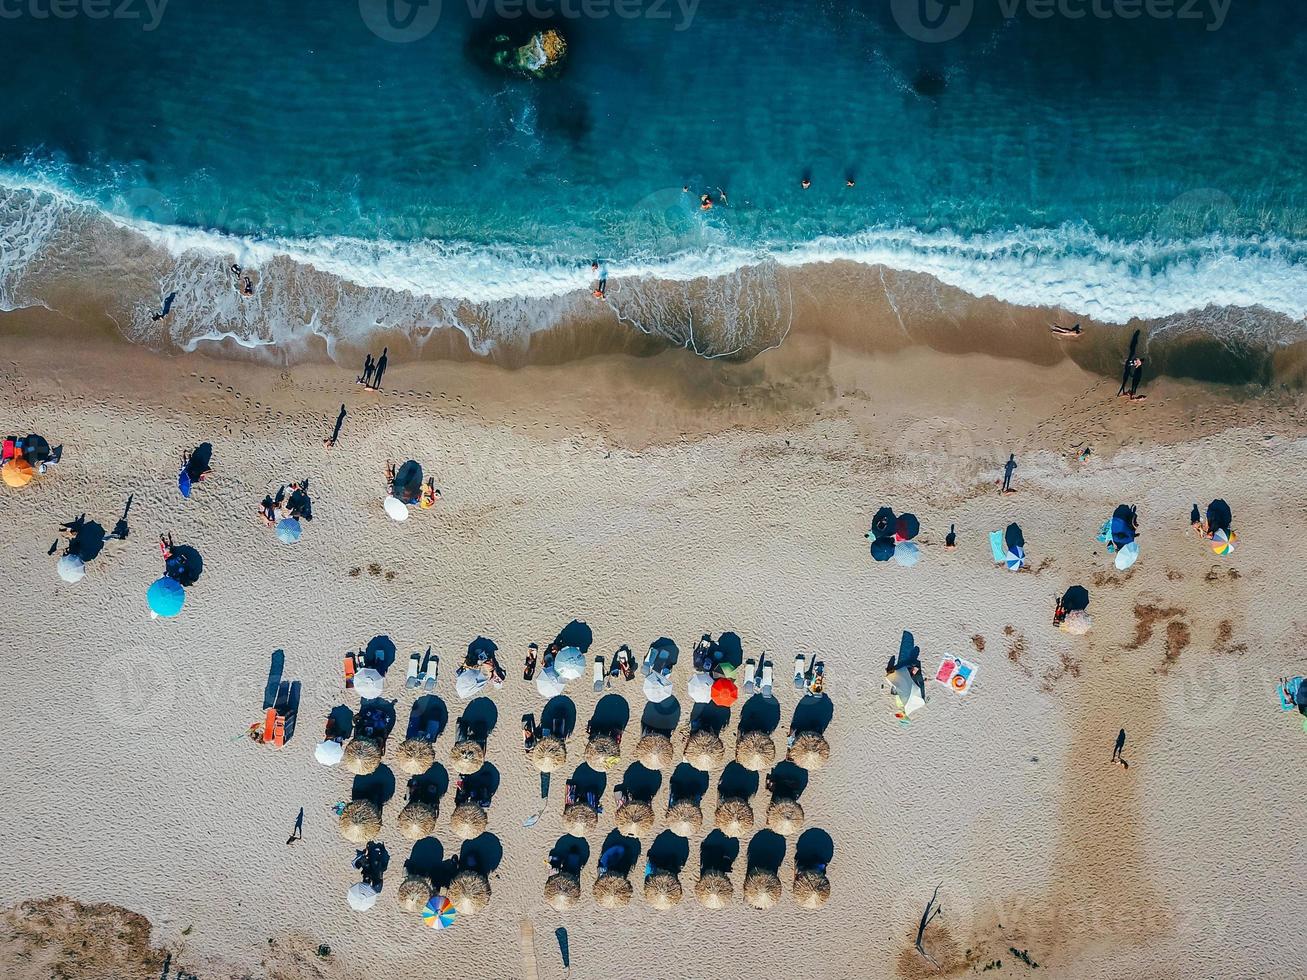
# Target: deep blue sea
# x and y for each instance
(1118, 166)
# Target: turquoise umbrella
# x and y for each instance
(165, 597)
(288, 530)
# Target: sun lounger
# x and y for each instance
(599, 673)
(349, 671)
(430, 670)
(279, 732)
(269, 725)
(748, 677)
(411, 679)
(765, 687)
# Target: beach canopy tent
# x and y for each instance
(1127, 555)
(569, 664)
(907, 696)
(1218, 516)
(1075, 599)
(395, 509)
(71, 568)
(548, 683)
(17, 472)
(469, 681)
(165, 597)
(700, 687)
(882, 523)
(882, 549)
(369, 682)
(907, 527)
(906, 554)
(657, 688)
(288, 530)
(330, 752)
(361, 897)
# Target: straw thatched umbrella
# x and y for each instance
(417, 819)
(734, 816)
(469, 892)
(467, 756)
(762, 889)
(684, 817)
(810, 750)
(714, 890)
(578, 818)
(603, 752)
(811, 889)
(562, 891)
(785, 816)
(755, 750)
(654, 750)
(468, 820)
(415, 756)
(704, 750)
(635, 818)
(612, 891)
(662, 890)
(549, 754)
(360, 821)
(362, 756)
(414, 893)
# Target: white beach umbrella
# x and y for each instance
(368, 682)
(657, 688)
(569, 664)
(329, 753)
(700, 687)
(468, 682)
(395, 509)
(906, 554)
(361, 897)
(1127, 555)
(71, 568)
(549, 683)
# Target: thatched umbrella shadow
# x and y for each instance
(766, 851)
(760, 714)
(431, 785)
(483, 853)
(812, 714)
(575, 634)
(427, 859)
(428, 718)
(640, 782)
(736, 780)
(377, 786)
(479, 719)
(710, 718)
(611, 715)
(480, 786)
(787, 779)
(669, 852)
(718, 851)
(661, 716)
(814, 849)
(619, 854)
(570, 853)
(558, 717)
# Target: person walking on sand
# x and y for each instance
(330, 441)
(1135, 379)
(381, 369)
(369, 366)
(1117, 749)
(1008, 468)
(951, 539)
(297, 832)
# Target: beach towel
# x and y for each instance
(1288, 694)
(956, 674)
(997, 547)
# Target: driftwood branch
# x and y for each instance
(927, 916)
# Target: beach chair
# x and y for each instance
(269, 725)
(748, 677)
(430, 670)
(598, 673)
(998, 547)
(349, 671)
(411, 678)
(279, 732)
(765, 687)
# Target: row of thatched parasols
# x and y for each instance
(360, 821)
(469, 892)
(714, 890)
(733, 816)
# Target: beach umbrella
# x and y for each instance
(811, 889)
(714, 890)
(906, 554)
(395, 509)
(684, 817)
(654, 750)
(414, 893)
(1014, 558)
(562, 891)
(1223, 542)
(755, 750)
(18, 472)
(724, 692)
(882, 549)
(785, 816)
(882, 524)
(809, 750)
(165, 597)
(469, 892)
(468, 682)
(569, 664)
(1218, 516)
(330, 752)
(467, 756)
(762, 889)
(612, 891)
(415, 756)
(907, 527)
(184, 482)
(360, 821)
(907, 696)
(704, 750)
(417, 820)
(361, 897)
(468, 820)
(362, 756)
(579, 819)
(700, 687)
(1077, 623)
(549, 683)
(1127, 556)
(603, 752)
(549, 754)
(71, 568)
(635, 818)
(657, 688)
(734, 816)
(288, 530)
(662, 890)
(439, 913)
(369, 682)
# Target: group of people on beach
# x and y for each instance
(296, 504)
(373, 370)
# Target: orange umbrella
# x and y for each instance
(18, 472)
(724, 692)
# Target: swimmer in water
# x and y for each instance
(848, 181)
(248, 288)
(721, 196)
(705, 202)
(805, 183)
(1072, 332)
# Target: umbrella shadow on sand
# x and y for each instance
(85, 539)
(709, 718)
(788, 780)
(687, 783)
(186, 565)
(479, 719)
(665, 716)
(630, 852)
(559, 716)
(812, 714)
(576, 634)
(718, 852)
(481, 785)
(428, 718)
(641, 783)
(737, 781)
(767, 851)
(611, 716)
(340, 722)
(482, 854)
(588, 780)
(814, 848)
(731, 649)
(760, 714)
(377, 786)
(427, 858)
(431, 786)
(669, 852)
(572, 853)
(379, 654)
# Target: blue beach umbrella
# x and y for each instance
(288, 530)
(165, 597)
(906, 554)
(1014, 558)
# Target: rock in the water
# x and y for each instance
(540, 57)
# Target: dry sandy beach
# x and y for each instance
(661, 496)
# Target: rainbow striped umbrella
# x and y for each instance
(1223, 542)
(439, 913)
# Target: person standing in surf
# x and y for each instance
(600, 272)
(369, 366)
(1129, 364)
(381, 369)
(1135, 379)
